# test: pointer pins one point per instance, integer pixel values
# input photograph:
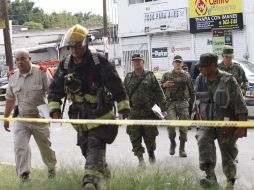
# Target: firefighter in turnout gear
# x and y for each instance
(92, 84)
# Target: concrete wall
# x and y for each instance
(131, 17)
(249, 22)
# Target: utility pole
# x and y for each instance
(105, 28)
(7, 36)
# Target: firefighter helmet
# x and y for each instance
(76, 36)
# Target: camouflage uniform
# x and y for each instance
(146, 95)
(237, 71)
(178, 101)
(187, 97)
(234, 69)
(225, 136)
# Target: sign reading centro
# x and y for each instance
(201, 8)
(208, 14)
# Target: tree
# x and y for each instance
(94, 21)
(33, 25)
(23, 12)
(19, 11)
(37, 15)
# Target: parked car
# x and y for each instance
(3, 80)
(3, 92)
(248, 69)
(3, 86)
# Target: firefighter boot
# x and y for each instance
(182, 152)
(107, 173)
(210, 181)
(152, 158)
(172, 147)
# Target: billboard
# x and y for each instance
(166, 20)
(221, 37)
(206, 15)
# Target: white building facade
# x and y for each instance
(160, 29)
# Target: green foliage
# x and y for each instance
(160, 176)
(24, 11)
(94, 20)
(20, 11)
(33, 25)
(61, 20)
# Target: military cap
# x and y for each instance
(178, 58)
(228, 51)
(137, 56)
(207, 59)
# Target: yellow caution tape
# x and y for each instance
(171, 123)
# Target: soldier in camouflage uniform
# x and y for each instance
(142, 98)
(233, 68)
(175, 84)
(218, 97)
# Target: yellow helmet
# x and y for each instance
(76, 36)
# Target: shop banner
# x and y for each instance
(206, 15)
(167, 20)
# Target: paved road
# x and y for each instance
(64, 143)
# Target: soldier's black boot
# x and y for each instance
(172, 146)
(141, 161)
(152, 158)
(90, 182)
(230, 184)
(210, 181)
(182, 152)
(89, 186)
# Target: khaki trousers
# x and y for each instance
(22, 135)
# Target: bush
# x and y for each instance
(33, 25)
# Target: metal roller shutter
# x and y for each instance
(133, 45)
(176, 43)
